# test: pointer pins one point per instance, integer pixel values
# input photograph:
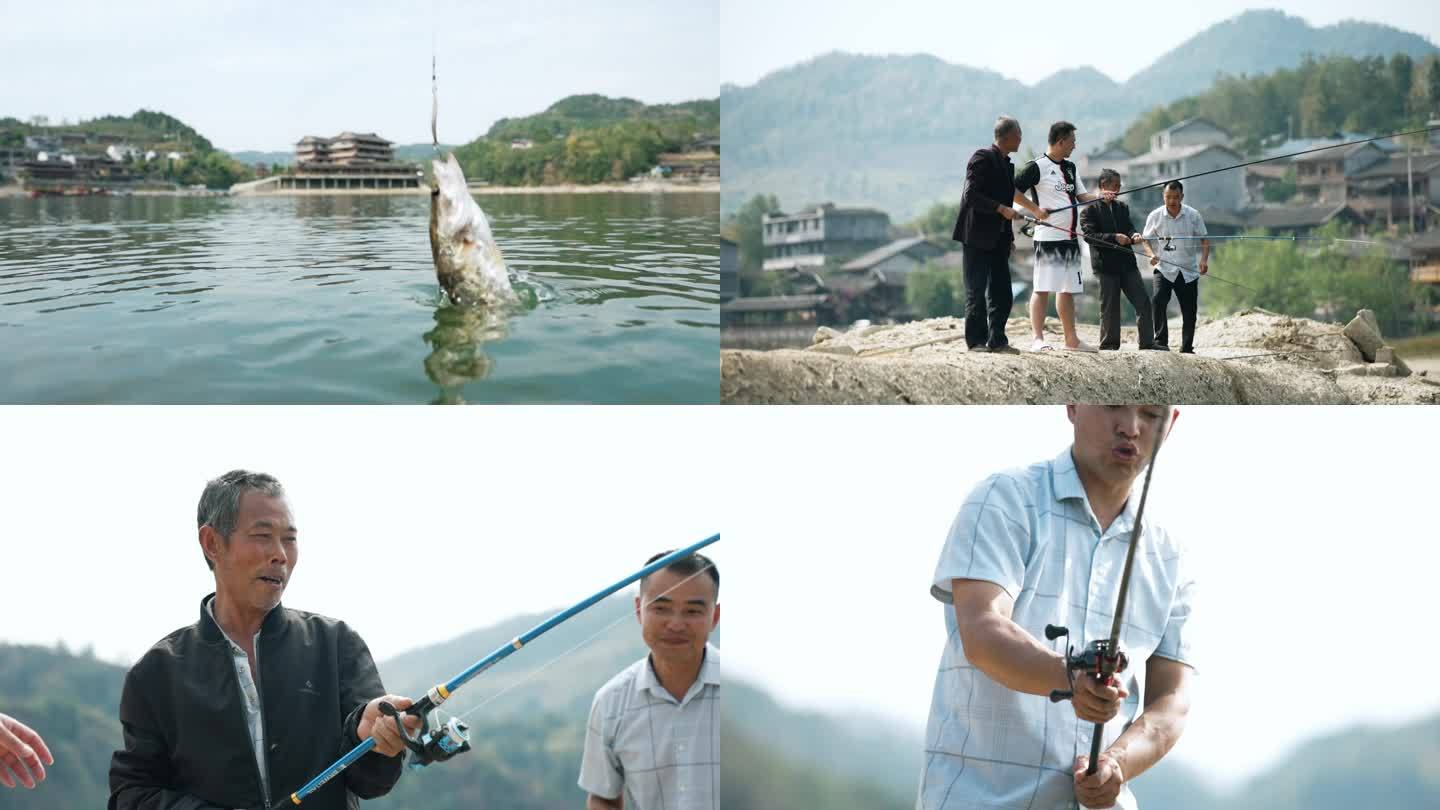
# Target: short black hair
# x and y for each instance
(1108, 176)
(1175, 184)
(687, 566)
(1059, 130)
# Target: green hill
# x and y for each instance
(145, 130)
(894, 131)
(586, 139)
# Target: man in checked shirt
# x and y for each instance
(653, 740)
(1046, 545)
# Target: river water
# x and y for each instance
(333, 299)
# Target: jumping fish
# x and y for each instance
(467, 260)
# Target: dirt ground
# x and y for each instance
(1253, 357)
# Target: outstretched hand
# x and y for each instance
(23, 755)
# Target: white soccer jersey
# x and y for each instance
(1054, 185)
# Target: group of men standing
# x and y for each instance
(1070, 221)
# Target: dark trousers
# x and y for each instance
(1189, 295)
(1112, 284)
(987, 274)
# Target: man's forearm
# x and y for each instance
(1001, 649)
(1024, 202)
(593, 802)
(1151, 736)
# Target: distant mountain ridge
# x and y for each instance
(894, 131)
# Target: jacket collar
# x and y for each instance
(211, 632)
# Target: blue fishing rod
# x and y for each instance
(452, 738)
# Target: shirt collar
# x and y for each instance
(709, 674)
(1065, 481)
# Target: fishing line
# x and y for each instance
(1094, 241)
(1254, 162)
(530, 675)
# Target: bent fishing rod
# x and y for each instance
(1260, 160)
(1103, 658)
(452, 738)
(1121, 248)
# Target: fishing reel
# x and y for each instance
(1094, 659)
(430, 745)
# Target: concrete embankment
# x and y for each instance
(1253, 357)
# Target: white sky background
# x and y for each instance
(1314, 533)
(760, 36)
(260, 75)
(522, 509)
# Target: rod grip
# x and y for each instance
(1095, 742)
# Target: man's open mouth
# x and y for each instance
(277, 581)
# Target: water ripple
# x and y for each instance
(259, 300)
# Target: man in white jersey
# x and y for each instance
(1046, 545)
(1052, 183)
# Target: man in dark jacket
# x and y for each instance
(983, 226)
(249, 703)
(1110, 232)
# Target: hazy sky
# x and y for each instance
(516, 510)
(1311, 527)
(760, 36)
(259, 75)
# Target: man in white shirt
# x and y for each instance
(1186, 260)
(1053, 183)
(653, 740)
(1045, 545)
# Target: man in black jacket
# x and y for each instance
(1110, 232)
(983, 226)
(253, 700)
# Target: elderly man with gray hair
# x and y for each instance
(983, 227)
(1110, 231)
(254, 698)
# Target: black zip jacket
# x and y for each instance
(1102, 222)
(187, 742)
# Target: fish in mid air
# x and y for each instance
(467, 260)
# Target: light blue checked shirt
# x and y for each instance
(660, 752)
(1032, 532)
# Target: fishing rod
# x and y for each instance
(1277, 238)
(453, 737)
(1254, 162)
(1121, 248)
(1103, 657)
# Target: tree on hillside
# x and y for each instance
(1306, 281)
(934, 292)
(748, 233)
